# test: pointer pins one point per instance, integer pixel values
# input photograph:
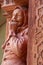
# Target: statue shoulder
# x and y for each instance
(23, 32)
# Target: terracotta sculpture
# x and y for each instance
(15, 46)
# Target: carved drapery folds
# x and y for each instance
(15, 45)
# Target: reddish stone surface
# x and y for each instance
(15, 46)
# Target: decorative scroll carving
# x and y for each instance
(38, 53)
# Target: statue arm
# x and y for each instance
(20, 45)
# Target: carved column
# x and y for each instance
(35, 46)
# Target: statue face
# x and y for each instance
(18, 16)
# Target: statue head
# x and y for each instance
(19, 15)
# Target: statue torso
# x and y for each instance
(16, 48)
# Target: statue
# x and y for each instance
(15, 46)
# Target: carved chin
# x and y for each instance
(12, 62)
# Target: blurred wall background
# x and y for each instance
(2, 32)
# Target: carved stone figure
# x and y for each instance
(15, 46)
